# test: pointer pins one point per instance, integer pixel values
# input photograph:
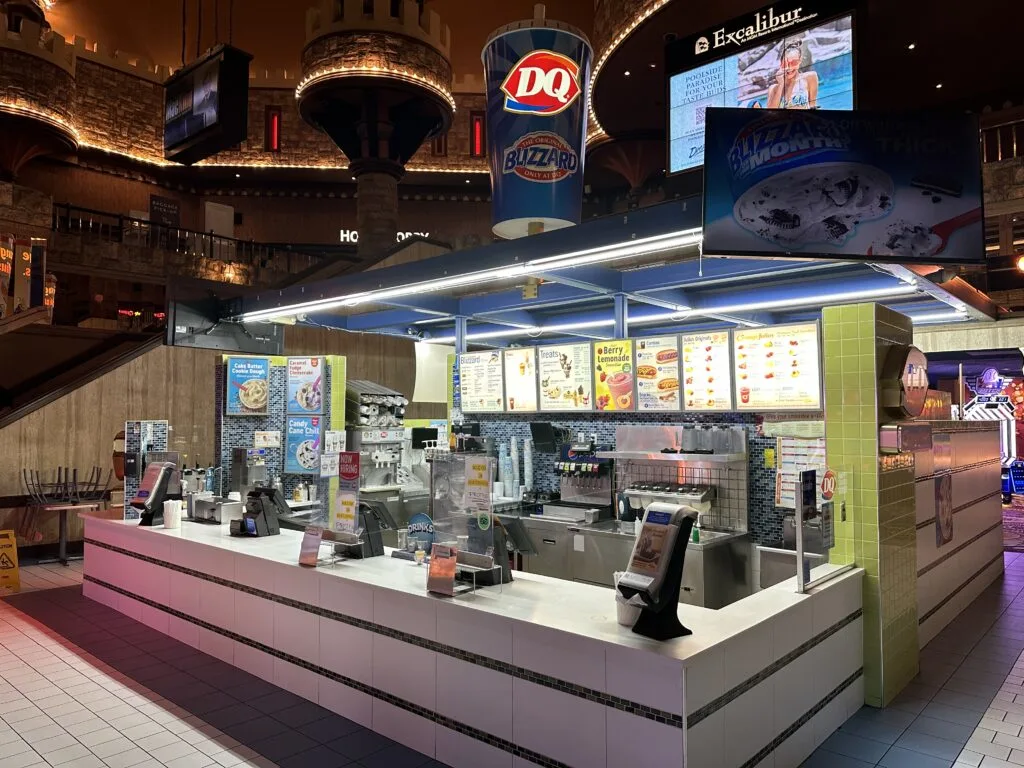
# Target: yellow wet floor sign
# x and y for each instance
(10, 580)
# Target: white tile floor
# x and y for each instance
(61, 704)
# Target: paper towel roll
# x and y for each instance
(172, 514)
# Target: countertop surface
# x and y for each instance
(567, 606)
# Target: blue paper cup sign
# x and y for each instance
(536, 125)
(302, 451)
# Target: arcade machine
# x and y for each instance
(991, 404)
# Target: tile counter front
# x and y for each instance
(536, 673)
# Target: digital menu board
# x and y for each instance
(777, 368)
(614, 382)
(784, 56)
(481, 383)
(566, 377)
(521, 379)
(707, 373)
(657, 373)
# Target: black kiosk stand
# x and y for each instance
(659, 615)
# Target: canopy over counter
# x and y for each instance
(638, 273)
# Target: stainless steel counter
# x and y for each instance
(715, 572)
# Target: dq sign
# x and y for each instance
(542, 83)
(536, 125)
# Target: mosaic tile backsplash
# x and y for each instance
(141, 436)
(764, 522)
(239, 431)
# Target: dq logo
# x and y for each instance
(542, 83)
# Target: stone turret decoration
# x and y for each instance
(377, 79)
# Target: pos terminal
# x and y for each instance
(160, 483)
(655, 570)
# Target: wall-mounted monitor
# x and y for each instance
(783, 56)
(206, 106)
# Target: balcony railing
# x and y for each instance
(256, 257)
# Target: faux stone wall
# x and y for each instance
(377, 49)
(377, 214)
(119, 111)
(1004, 181)
(458, 138)
(33, 81)
(24, 212)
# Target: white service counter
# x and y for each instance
(534, 673)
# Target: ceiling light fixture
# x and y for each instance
(938, 85)
(912, 46)
(626, 73)
(938, 317)
(601, 254)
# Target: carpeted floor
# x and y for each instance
(1013, 526)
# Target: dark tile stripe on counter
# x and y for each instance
(938, 606)
(803, 720)
(961, 508)
(954, 470)
(599, 697)
(408, 706)
(936, 563)
(734, 693)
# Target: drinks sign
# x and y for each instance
(614, 381)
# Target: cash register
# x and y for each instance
(260, 518)
(160, 482)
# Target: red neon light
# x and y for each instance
(478, 136)
(275, 131)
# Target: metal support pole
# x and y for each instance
(460, 334)
(621, 316)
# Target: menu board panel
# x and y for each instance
(521, 379)
(305, 385)
(657, 373)
(248, 386)
(481, 382)
(566, 377)
(302, 445)
(614, 382)
(778, 368)
(707, 373)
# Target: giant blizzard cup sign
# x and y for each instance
(536, 125)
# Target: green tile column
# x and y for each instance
(878, 532)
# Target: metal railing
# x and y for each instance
(118, 228)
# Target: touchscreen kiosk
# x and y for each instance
(156, 488)
(655, 571)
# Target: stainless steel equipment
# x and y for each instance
(248, 470)
(380, 455)
(213, 509)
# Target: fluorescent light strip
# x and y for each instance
(938, 317)
(682, 316)
(574, 259)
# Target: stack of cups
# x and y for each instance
(172, 514)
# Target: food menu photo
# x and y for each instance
(657, 373)
(248, 386)
(302, 450)
(566, 377)
(481, 382)
(521, 379)
(778, 368)
(707, 379)
(614, 381)
(305, 385)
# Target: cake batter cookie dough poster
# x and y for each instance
(862, 185)
(614, 376)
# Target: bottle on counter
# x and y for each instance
(278, 485)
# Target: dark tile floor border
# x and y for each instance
(599, 697)
(802, 720)
(938, 606)
(956, 550)
(734, 693)
(448, 722)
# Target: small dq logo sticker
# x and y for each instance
(542, 83)
(828, 485)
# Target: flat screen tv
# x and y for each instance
(206, 106)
